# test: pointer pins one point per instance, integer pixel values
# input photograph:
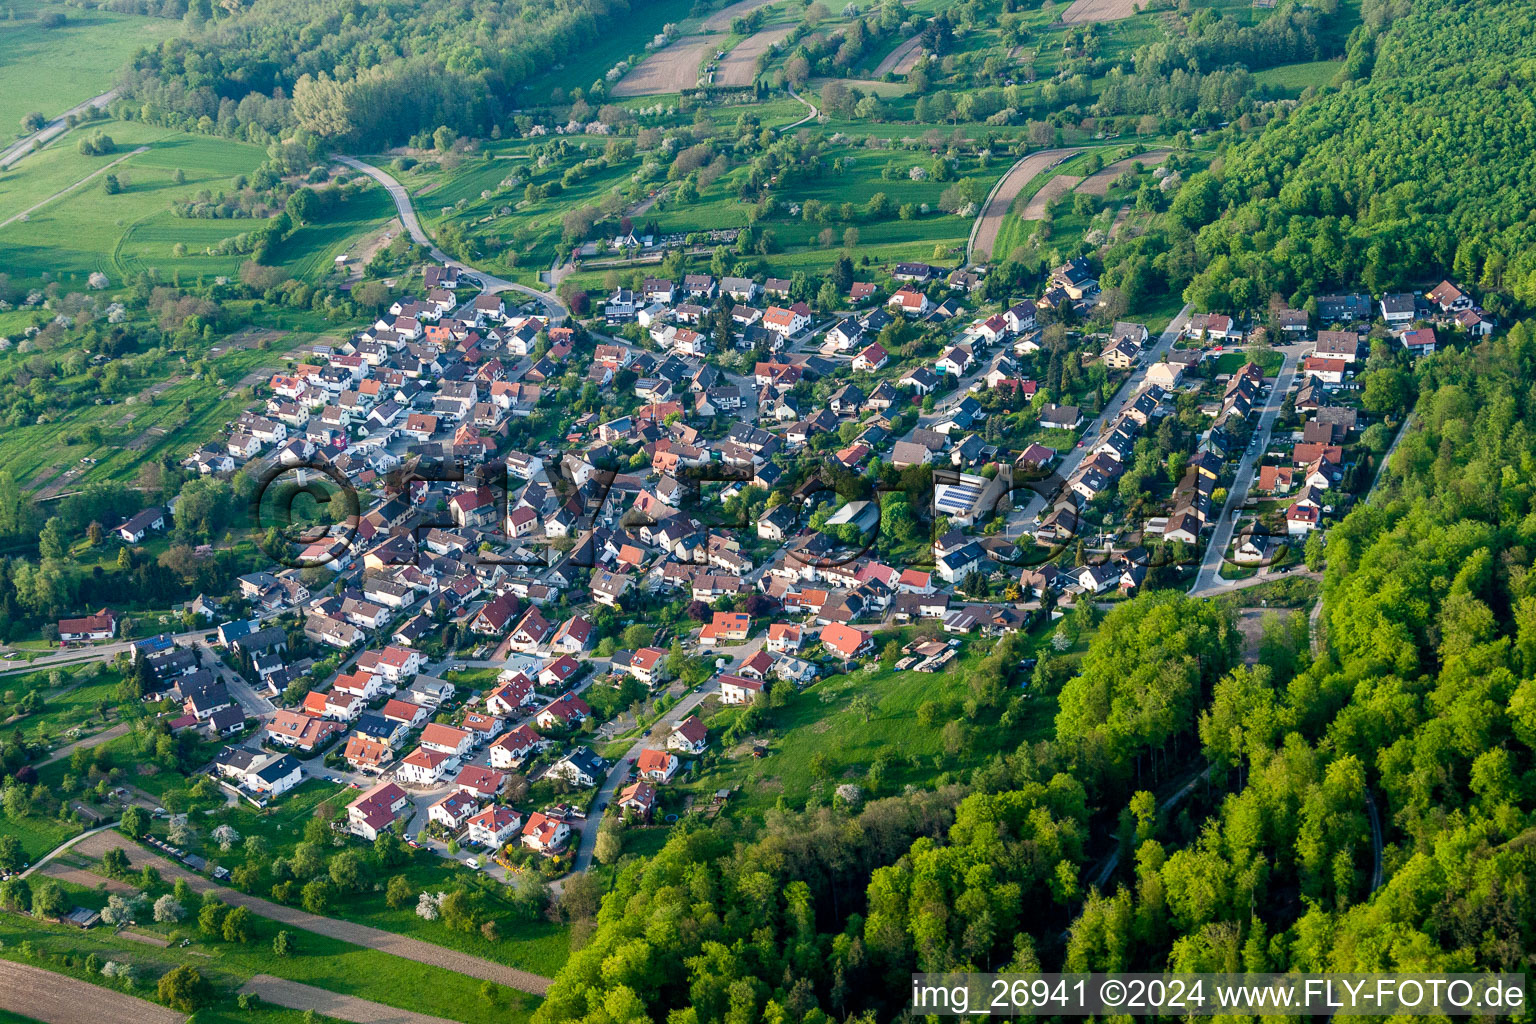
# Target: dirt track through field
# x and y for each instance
(668, 70)
(346, 931)
(990, 220)
(740, 65)
(58, 999)
(1098, 183)
(70, 188)
(1083, 11)
(297, 996)
(902, 59)
(1049, 193)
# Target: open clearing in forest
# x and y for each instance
(1084, 11)
(740, 65)
(666, 71)
(1048, 194)
(990, 220)
(1098, 183)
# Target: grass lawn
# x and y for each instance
(82, 56)
(173, 412)
(819, 723)
(7, 1017)
(320, 961)
(72, 710)
(1288, 80)
(261, 1013)
(86, 230)
(38, 834)
(1268, 359)
(538, 946)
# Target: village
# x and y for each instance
(782, 486)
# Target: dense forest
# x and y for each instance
(1416, 163)
(365, 73)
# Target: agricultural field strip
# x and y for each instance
(1000, 200)
(1099, 182)
(298, 996)
(59, 999)
(1086, 11)
(897, 62)
(740, 65)
(668, 70)
(1048, 194)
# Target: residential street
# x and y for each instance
(1209, 576)
(1022, 517)
(655, 736)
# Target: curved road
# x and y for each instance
(813, 115)
(490, 284)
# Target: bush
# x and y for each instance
(183, 988)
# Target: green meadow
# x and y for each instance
(49, 70)
(79, 229)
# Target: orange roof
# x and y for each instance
(443, 735)
(655, 761)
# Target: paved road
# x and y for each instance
(346, 931)
(1209, 576)
(655, 737)
(253, 703)
(1377, 874)
(813, 115)
(59, 999)
(52, 130)
(491, 285)
(1386, 456)
(298, 996)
